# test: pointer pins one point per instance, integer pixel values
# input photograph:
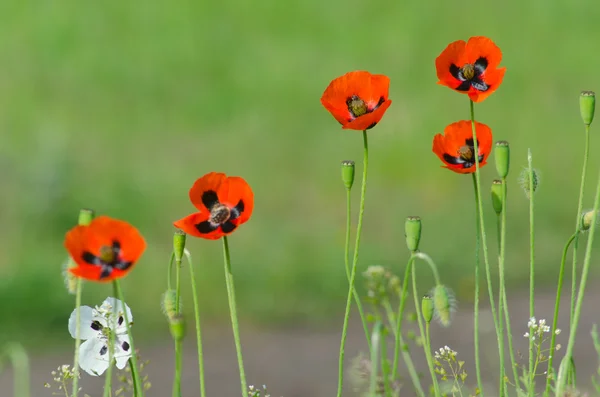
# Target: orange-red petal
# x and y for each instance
(188, 225)
(211, 181)
(368, 120)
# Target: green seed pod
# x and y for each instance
(169, 304)
(412, 229)
(427, 308)
(497, 196)
(177, 327)
(348, 173)
(527, 187)
(443, 303)
(587, 220)
(178, 244)
(502, 156)
(587, 106)
(85, 216)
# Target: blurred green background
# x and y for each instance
(120, 105)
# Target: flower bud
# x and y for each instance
(502, 156)
(587, 106)
(412, 230)
(169, 304)
(587, 220)
(85, 217)
(497, 203)
(177, 327)
(525, 184)
(444, 304)
(178, 244)
(348, 173)
(427, 308)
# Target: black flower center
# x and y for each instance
(465, 155)
(221, 216)
(471, 75)
(108, 259)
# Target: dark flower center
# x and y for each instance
(219, 214)
(466, 152)
(357, 106)
(471, 75)
(468, 71)
(465, 155)
(108, 259)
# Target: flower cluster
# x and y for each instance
(538, 329)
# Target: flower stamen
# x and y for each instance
(468, 71)
(219, 214)
(357, 106)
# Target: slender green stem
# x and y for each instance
(111, 348)
(586, 155)
(412, 372)
(376, 340)
(432, 266)
(501, 293)
(426, 348)
(363, 190)
(134, 365)
(78, 288)
(561, 275)
(483, 242)
(401, 306)
(178, 341)
(169, 270)
(361, 312)
(581, 291)
(234, 318)
(385, 366)
(476, 300)
(502, 301)
(20, 363)
(198, 329)
(531, 388)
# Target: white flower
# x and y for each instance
(96, 324)
(531, 323)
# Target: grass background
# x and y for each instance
(120, 106)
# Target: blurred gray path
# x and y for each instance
(300, 362)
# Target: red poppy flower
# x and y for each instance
(224, 202)
(358, 99)
(104, 250)
(471, 68)
(456, 147)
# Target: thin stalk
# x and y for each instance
(20, 364)
(361, 312)
(233, 312)
(78, 288)
(502, 301)
(586, 155)
(385, 366)
(501, 292)
(178, 341)
(476, 299)
(426, 348)
(376, 339)
(581, 291)
(363, 190)
(412, 372)
(531, 388)
(432, 266)
(561, 276)
(198, 329)
(111, 348)
(398, 329)
(137, 384)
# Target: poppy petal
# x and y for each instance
(369, 120)
(239, 195)
(483, 47)
(200, 192)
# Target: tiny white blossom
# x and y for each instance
(531, 323)
(526, 335)
(96, 324)
(557, 332)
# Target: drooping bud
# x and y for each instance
(444, 304)
(526, 184)
(178, 244)
(587, 106)
(427, 308)
(502, 155)
(177, 327)
(85, 216)
(348, 173)
(587, 220)
(497, 203)
(412, 231)
(169, 304)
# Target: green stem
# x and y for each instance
(134, 365)
(361, 312)
(402, 305)
(361, 212)
(414, 376)
(531, 388)
(376, 338)
(502, 301)
(233, 312)
(426, 348)
(586, 155)
(78, 289)
(198, 329)
(20, 363)
(178, 342)
(584, 274)
(561, 275)
(432, 266)
(111, 347)
(385, 366)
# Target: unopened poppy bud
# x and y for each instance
(169, 304)
(412, 230)
(497, 196)
(587, 106)
(177, 327)
(348, 173)
(587, 220)
(85, 217)
(178, 244)
(502, 155)
(427, 308)
(526, 184)
(444, 304)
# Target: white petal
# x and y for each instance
(122, 350)
(118, 309)
(90, 359)
(87, 319)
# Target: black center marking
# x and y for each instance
(125, 346)
(465, 155)
(471, 75)
(109, 258)
(221, 217)
(120, 320)
(96, 326)
(219, 214)
(103, 350)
